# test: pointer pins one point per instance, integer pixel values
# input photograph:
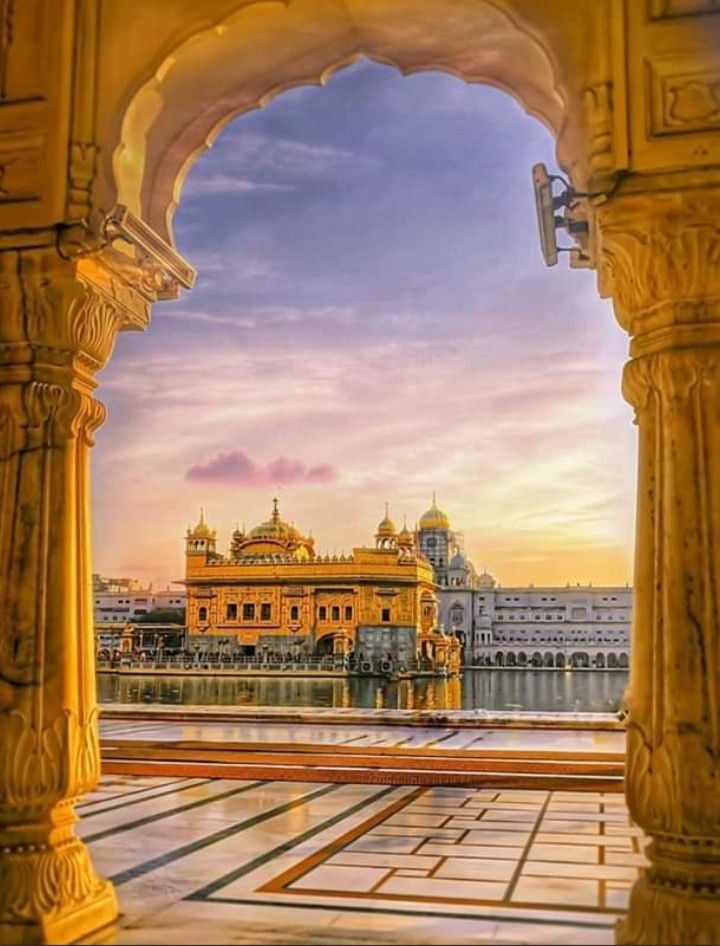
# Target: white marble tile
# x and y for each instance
(554, 890)
(352, 858)
(435, 887)
(466, 868)
(344, 879)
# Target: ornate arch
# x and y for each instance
(191, 93)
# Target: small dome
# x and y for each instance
(405, 536)
(386, 527)
(486, 580)
(202, 530)
(458, 561)
(434, 518)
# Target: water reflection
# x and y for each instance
(532, 690)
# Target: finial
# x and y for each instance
(387, 510)
(202, 516)
(275, 513)
(405, 521)
(434, 499)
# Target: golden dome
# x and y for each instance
(386, 527)
(275, 528)
(202, 530)
(434, 518)
(405, 536)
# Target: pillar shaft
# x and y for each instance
(660, 260)
(58, 323)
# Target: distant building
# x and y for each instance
(274, 594)
(117, 601)
(571, 626)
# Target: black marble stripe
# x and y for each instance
(554, 920)
(134, 791)
(526, 850)
(158, 816)
(205, 893)
(136, 801)
(169, 856)
(434, 742)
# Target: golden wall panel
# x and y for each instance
(661, 9)
(682, 100)
(35, 78)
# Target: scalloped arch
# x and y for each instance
(266, 47)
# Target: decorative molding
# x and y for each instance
(667, 9)
(597, 106)
(659, 915)
(659, 258)
(36, 771)
(81, 174)
(7, 36)
(682, 100)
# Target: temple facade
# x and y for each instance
(273, 595)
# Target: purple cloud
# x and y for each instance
(238, 469)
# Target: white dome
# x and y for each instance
(459, 562)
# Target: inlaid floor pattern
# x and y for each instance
(226, 861)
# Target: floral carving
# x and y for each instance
(659, 259)
(48, 764)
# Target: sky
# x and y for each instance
(372, 321)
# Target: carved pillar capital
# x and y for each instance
(659, 260)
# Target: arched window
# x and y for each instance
(202, 614)
(294, 613)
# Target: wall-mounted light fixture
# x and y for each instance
(547, 204)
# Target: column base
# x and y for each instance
(49, 893)
(662, 916)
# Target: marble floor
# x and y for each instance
(391, 736)
(199, 860)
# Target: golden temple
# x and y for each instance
(274, 594)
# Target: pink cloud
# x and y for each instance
(238, 469)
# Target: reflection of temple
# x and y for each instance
(273, 594)
(558, 627)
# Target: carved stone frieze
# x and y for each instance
(659, 258)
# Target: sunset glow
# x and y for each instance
(372, 322)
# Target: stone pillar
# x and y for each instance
(659, 258)
(58, 322)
